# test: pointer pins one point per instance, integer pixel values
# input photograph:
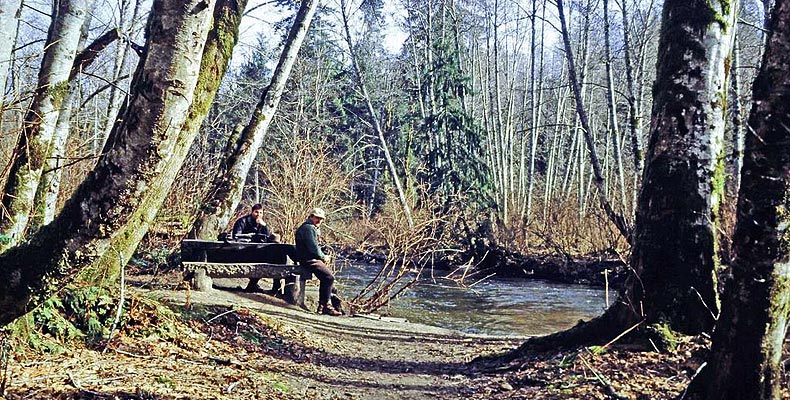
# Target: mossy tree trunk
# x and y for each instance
(217, 52)
(38, 127)
(8, 13)
(226, 190)
(747, 342)
(675, 245)
(140, 149)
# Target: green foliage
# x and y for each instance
(662, 337)
(79, 313)
(597, 349)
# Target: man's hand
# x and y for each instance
(259, 220)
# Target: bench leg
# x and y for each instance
(300, 298)
(291, 290)
(201, 281)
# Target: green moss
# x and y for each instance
(662, 337)
(58, 92)
(721, 17)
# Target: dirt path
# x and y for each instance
(236, 345)
(363, 357)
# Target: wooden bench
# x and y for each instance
(206, 259)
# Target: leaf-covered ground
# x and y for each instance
(234, 345)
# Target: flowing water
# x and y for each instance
(494, 306)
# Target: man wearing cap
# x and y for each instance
(309, 254)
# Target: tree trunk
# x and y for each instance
(227, 189)
(110, 196)
(46, 199)
(375, 120)
(675, 246)
(738, 135)
(598, 178)
(39, 125)
(745, 361)
(217, 52)
(8, 23)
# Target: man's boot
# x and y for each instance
(327, 309)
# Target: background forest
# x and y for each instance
(518, 127)
(474, 108)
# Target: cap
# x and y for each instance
(318, 212)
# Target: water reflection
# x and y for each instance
(493, 306)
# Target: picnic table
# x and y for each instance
(206, 259)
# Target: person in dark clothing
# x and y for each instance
(253, 223)
(309, 254)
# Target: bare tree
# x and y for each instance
(9, 10)
(598, 179)
(374, 119)
(226, 190)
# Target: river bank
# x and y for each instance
(226, 344)
(492, 260)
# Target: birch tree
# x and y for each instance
(225, 193)
(140, 148)
(8, 17)
(39, 124)
(746, 353)
(598, 180)
(374, 119)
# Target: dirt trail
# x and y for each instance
(234, 345)
(363, 357)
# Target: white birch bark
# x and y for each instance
(39, 126)
(8, 24)
(46, 199)
(228, 186)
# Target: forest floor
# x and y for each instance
(228, 344)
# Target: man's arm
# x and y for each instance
(238, 227)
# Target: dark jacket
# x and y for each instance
(307, 243)
(248, 224)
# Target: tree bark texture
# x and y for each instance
(675, 245)
(8, 17)
(46, 200)
(747, 343)
(140, 149)
(39, 124)
(225, 193)
(217, 52)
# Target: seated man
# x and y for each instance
(309, 254)
(253, 223)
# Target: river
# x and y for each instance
(493, 306)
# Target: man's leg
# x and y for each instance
(253, 286)
(326, 279)
(277, 286)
